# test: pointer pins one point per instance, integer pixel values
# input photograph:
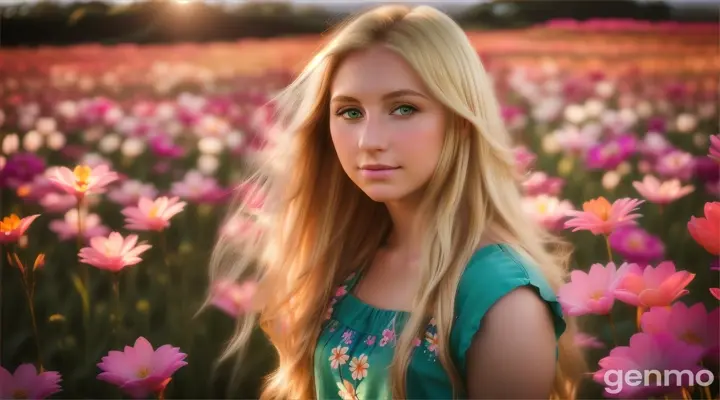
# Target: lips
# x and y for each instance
(376, 167)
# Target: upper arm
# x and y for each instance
(513, 353)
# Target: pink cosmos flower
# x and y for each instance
(13, 227)
(199, 189)
(576, 140)
(661, 192)
(653, 287)
(540, 183)
(637, 245)
(114, 252)
(233, 298)
(67, 228)
(58, 202)
(693, 325)
(715, 147)
(706, 230)
(524, 158)
(676, 164)
(546, 210)
(647, 353)
(152, 215)
(130, 192)
(591, 292)
(26, 383)
(602, 218)
(715, 292)
(587, 341)
(140, 370)
(82, 180)
(610, 154)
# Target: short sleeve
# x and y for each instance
(493, 272)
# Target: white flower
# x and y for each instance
(339, 357)
(359, 367)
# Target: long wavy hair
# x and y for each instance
(315, 226)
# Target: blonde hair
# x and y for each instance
(316, 226)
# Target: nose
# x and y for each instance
(372, 135)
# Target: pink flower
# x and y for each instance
(637, 245)
(58, 202)
(83, 180)
(676, 164)
(130, 192)
(524, 158)
(113, 253)
(715, 147)
(540, 183)
(140, 370)
(587, 341)
(693, 325)
(653, 287)
(67, 228)
(648, 353)
(233, 298)
(152, 215)
(706, 231)
(547, 211)
(12, 227)
(601, 217)
(661, 192)
(591, 292)
(715, 292)
(199, 189)
(26, 383)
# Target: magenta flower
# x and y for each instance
(654, 145)
(21, 168)
(58, 202)
(152, 215)
(715, 148)
(524, 158)
(13, 227)
(648, 353)
(653, 287)
(637, 245)
(591, 292)
(610, 154)
(140, 370)
(26, 383)
(233, 298)
(661, 192)
(693, 325)
(113, 253)
(540, 183)
(602, 218)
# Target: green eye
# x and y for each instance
(405, 110)
(351, 114)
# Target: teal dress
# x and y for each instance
(357, 341)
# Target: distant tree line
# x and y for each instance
(158, 21)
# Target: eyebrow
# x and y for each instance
(387, 96)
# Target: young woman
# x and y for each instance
(392, 256)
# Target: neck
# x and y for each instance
(406, 234)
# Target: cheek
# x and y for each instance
(421, 141)
(345, 143)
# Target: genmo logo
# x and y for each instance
(616, 380)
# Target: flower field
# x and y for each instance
(117, 165)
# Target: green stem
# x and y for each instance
(117, 326)
(31, 306)
(612, 329)
(609, 250)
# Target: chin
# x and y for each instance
(383, 194)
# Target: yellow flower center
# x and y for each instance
(636, 243)
(82, 176)
(600, 207)
(9, 224)
(143, 373)
(597, 295)
(20, 394)
(541, 208)
(691, 337)
(153, 212)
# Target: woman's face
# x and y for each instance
(386, 129)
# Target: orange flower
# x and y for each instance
(600, 217)
(706, 231)
(12, 227)
(82, 180)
